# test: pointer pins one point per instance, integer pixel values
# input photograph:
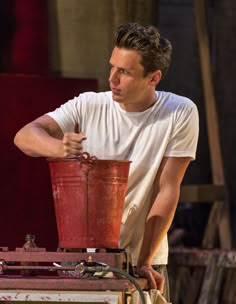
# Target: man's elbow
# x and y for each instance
(21, 143)
(17, 140)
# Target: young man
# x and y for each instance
(157, 131)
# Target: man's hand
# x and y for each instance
(155, 279)
(44, 137)
(72, 143)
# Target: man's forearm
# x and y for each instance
(37, 142)
(158, 222)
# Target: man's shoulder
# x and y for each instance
(91, 99)
(95, 95)
(174, 100)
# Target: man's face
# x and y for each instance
(128, 85)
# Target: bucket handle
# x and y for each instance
(85, 157)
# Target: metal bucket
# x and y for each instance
(89, 196)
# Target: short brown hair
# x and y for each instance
(155, 50)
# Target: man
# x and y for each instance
(157, 131)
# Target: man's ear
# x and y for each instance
(155, 77)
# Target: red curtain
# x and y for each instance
(26, 196)
(29, 48)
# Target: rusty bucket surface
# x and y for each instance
(89, 196)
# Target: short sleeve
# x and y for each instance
(184, 136)
(66, 115)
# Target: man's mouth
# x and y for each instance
(115, 91)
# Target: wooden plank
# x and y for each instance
(208, 282)
(227, 286)
(229, 291)
(212, 225)
(194, 285)
(210, 103)
(54, 283)
(218, 280)
(189, 257)
(212, 119)
(178, 279)
(194, 257)
(202, 193)
(203, 276)
(13, 296)
(184, 277)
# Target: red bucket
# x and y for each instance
(89, 196)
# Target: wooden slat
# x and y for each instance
(188, 257)
(229, 290)
(194, 285)
(183, 278)
(202, 193)
(213, 224)
(208, 282)
(210, 103)
(218, 280)
(212, 123)
(207, 275)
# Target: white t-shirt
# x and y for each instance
(168, 128)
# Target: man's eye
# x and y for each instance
(123, 71)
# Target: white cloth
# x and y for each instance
(152, 297)
(168, 128)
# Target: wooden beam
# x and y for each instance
(202, 193)
(212, 128)
(195, 257)
(212, 275)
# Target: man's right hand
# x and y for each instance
(44, 137)
(72, 143)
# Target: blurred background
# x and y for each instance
(52, 50)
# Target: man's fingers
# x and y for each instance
(73, 137)
(72, 142)
(151, 280)
(160, 281)
(155, 279)
(76, 128)
(77, 131)
(152, 283)
(148, 273)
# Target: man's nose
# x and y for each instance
(114, 77)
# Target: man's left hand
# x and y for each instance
(155, 279)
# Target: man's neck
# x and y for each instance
(139, 107)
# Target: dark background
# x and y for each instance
(177, 22)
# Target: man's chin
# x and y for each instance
(116, 98)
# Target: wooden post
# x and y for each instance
(219, 217)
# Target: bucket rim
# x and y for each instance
(73, 159)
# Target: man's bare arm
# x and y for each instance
(160, 217)
(44, 137)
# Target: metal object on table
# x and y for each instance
(78, 297)
(51, 278)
